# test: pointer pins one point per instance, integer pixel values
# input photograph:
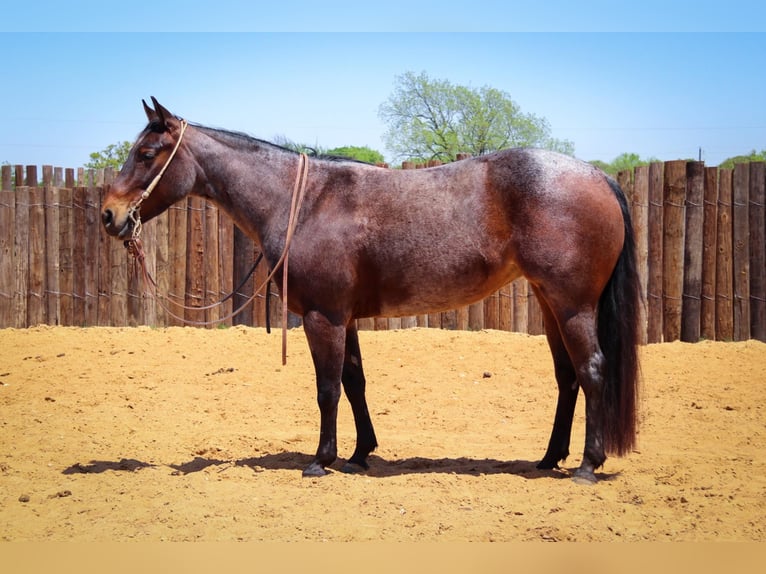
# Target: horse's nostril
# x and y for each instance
(107, 217)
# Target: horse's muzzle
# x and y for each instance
(116, 228)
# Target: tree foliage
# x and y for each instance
(113, 155)
(623, 162)
(754, 156)
(359, 153)
(434, 119)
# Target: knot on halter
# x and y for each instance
(135, 249)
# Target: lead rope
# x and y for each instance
(135, 248)
(299, 191)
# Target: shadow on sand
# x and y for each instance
(379, 467)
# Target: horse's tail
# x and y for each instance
(618, 317)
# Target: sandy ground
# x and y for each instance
(186, 434)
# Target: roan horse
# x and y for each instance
(369, 242)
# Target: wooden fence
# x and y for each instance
(700, 233)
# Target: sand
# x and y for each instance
(182, 434)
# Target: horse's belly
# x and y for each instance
(432, 295)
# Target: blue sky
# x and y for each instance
(661, 82)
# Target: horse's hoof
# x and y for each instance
(354, 468)
(547, 465)
(584, 478)
(314, 469)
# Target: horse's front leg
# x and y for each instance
(327, 343)
(354, 384)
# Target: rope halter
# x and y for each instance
(133, 211)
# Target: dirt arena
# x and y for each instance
(186, 434)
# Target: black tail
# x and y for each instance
(618, 316)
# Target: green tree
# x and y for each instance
(754, 156)
(623, 162)
(113, 155)
(434, 119)
(358, 153)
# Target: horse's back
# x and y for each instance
(434, 239)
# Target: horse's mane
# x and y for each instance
(241, 139)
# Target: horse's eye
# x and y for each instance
(148, 154)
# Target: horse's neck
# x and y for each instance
(253, 186)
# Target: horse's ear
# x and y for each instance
(151, 115)
(163, 116)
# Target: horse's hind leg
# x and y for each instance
(581, 339)
(566, 379)
(354, 386)
(579, 335)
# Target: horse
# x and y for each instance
(366, 241)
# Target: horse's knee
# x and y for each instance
(328, 396)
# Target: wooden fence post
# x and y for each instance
(7, 178)
(148, 305)
(691, 305)
(520, 290)
(47, 176)
(66, 263)
(195, 265)
(476, 316)
(724, 287)
(118, 280)
(674, 190)
(92, 236)
(710, 216)
(226, 263)
(31, 179)
(104, 277)
(506, 308)
(177, 226)
(7, 252)
(21, 252)
(243, 249)
(36, 303)
(52, 269)
(491, 311)
(741, 253)
(164, 268)
(212, 293)
(757, 223)
(535, 315)
(78, 256)
(654, 255)
(639, 211)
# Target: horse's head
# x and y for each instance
(155, 175)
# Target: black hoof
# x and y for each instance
(547, 465)
(584, 477)
(354, 468)
(314, 469)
